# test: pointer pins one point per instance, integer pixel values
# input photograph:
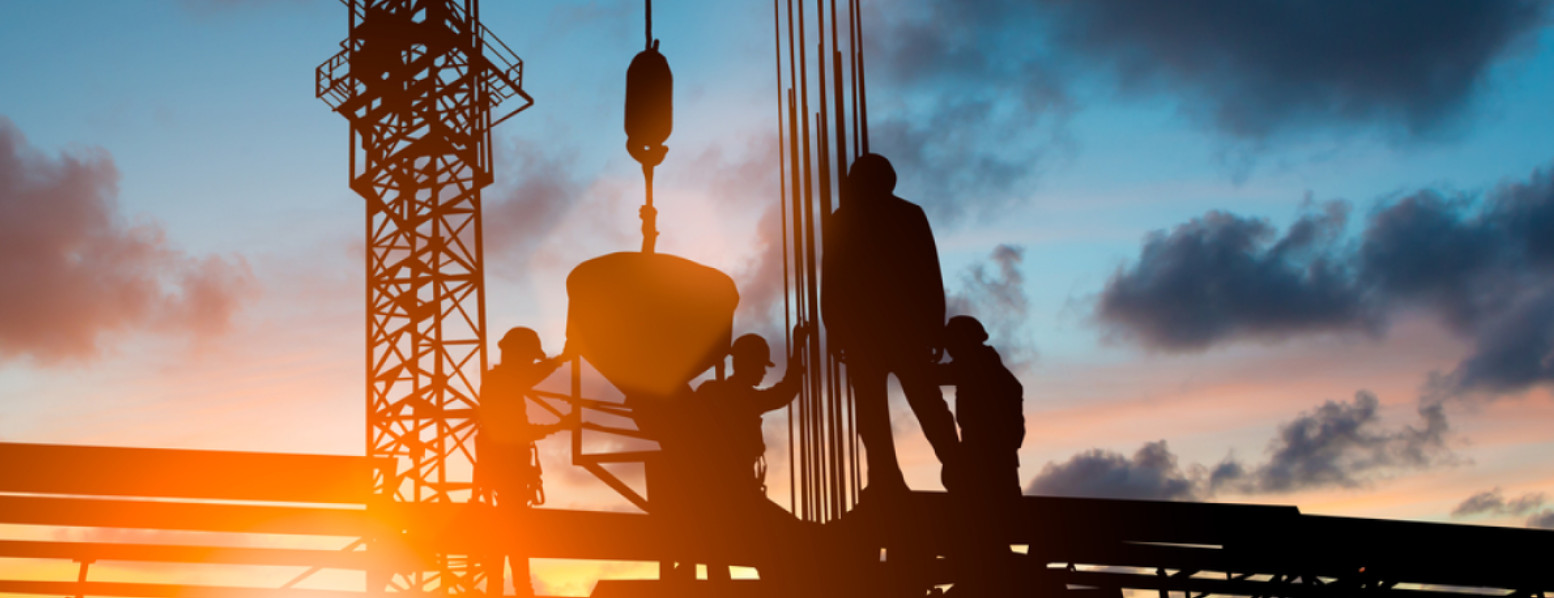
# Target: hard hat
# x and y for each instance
(752, 345)
(520, 338)
(965, 329)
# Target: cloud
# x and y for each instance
(1223, 277)
(1483, 265)
(1253, 69)
(1493, 502)
(962, 104)
(519, 218)
(1152, 474)
(998, 300)
(1344, 445)
(73, 272)
(1430, 251)
(761, 281)
(747, 181)
(1512, 351)
(953, 81)
(1336, 445)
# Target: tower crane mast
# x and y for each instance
(422, 83)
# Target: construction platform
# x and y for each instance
(1063, 545)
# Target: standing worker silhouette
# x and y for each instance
(984, 481)
(882, 298)
(507, 465)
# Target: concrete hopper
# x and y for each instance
(649, 322)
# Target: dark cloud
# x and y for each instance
(1524, 211)
(1483, 265)
(1431, 251)
(1344, 445)
(998, 300)
(953, 81)
(1256, 68)
(961, 103)
(73, 271)
(1493, 502)
(1224, 277)
(972, 100)
(1337, 444)
(1512, 351)
(1151, 474)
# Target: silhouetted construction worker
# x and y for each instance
(883, 303)
(732, 469)
(734, 407)
(984, 480)
(988, 407)
(507, 465)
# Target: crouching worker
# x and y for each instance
(507, 467)
(731, 468)
(984, 482)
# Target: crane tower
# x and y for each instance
(422, 83)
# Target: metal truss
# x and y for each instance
(420, 81)
(1106, 547)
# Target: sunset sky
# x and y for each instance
(1286, 253)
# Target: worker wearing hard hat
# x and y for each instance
(984, 481)
(735, 405)
(882, 297)
(507, 467)
(988, 407)
(731, 468)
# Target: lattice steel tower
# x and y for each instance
(422, 83)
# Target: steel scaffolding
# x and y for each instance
(422, 82)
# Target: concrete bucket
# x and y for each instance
(649, 322)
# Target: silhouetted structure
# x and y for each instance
(1202, 549)
(820, 103)
(136, 497)
(421, 82)
(650, 323)
(883, 302)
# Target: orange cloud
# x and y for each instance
(73, 272)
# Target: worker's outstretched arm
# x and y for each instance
(779, 395)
